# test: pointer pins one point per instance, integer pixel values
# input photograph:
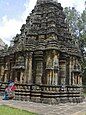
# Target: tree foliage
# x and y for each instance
(77, 25)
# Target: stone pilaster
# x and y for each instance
(2, 72)
(28, 68)
(63, 69)
(70, 71)
(21, 77)
(38, 67)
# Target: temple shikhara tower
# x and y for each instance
(44, 53)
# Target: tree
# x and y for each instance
(77, 25)
(73, 18)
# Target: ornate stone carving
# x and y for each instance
(45, 47)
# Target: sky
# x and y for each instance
(13, 14)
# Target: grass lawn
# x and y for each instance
(5, 110)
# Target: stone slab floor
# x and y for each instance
(45, 109)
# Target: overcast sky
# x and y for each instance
(14, 12)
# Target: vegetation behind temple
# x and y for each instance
(77, 25)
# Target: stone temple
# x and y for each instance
(44, 53)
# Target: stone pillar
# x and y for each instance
(38, 67)
(73, 79)
(28, 68)
(70, 70)
(21, 77)
(2, 72)
(39, 72)
(62, 71)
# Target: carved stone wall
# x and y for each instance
(52, 67)
(44, 52)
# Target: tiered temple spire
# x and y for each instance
(44, 52)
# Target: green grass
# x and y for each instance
(5, 110)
